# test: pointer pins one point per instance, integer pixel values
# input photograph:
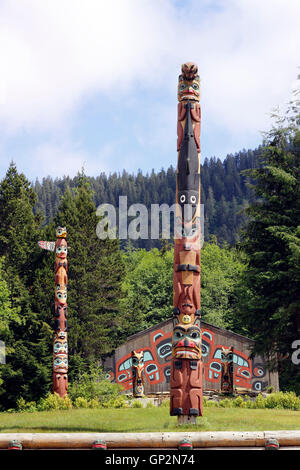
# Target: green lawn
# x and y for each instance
(146, 420)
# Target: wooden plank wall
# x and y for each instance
(156, 343)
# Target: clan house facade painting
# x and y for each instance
(156, 344)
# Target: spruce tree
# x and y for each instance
(25, 372)
(272, 243)
(95, 274)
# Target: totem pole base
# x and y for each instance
(186, 419)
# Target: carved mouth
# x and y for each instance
(186, 353)
(189, 96)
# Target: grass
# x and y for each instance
(147, 420)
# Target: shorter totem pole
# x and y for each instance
(137, 373)
(227, 370)
(60, 344)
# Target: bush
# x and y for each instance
(81, 402)
(118, 402)
(29, 406)
(94, 403)
(238, 402)
(54, 402)
(259, 402)
(211, 404)
(136, 404)
(92, 385)
(281, 400)
(166, 403)
(150, 404)
(226, 403)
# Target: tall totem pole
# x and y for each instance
(186, 367)
(60, 344)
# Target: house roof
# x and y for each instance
(203, 323)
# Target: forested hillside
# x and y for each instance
(224, 193)
(251, 288)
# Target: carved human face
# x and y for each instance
(227, 355)
(189, 90)
(137, 369)
(137, 363)
(61, 249)
(186, 341)
(61, 232)
(61, 294)
(60, 363)
(60, 347)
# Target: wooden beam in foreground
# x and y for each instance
(149, 440)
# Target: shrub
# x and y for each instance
(166, 403)
(81, 402)
(238, 402)
(137, 404)
(226, 403)
(92, 385)
(281, 400)
(150, 404)
(211, 404)
(29, 406)
(118, 402)
(94, 403)
(259, 401)
(53, 401)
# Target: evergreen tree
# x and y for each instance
(25, 372)
(218, 180)
(95, 274)
(272, 243)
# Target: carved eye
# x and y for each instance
(195, 86)
(195, 335)
(182, 198)
(135, 361)
(178, 334)
(182, 87)
(193, 199)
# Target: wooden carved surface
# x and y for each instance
(60, 343)
(186, 366)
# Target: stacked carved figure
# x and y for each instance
(186, 368)
(60, 344)
(137, 359)
(227, 370)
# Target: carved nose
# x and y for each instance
(186, 343)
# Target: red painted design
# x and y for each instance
(157, 360)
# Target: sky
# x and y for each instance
(93, 84)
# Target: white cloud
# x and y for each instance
(56, 53)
